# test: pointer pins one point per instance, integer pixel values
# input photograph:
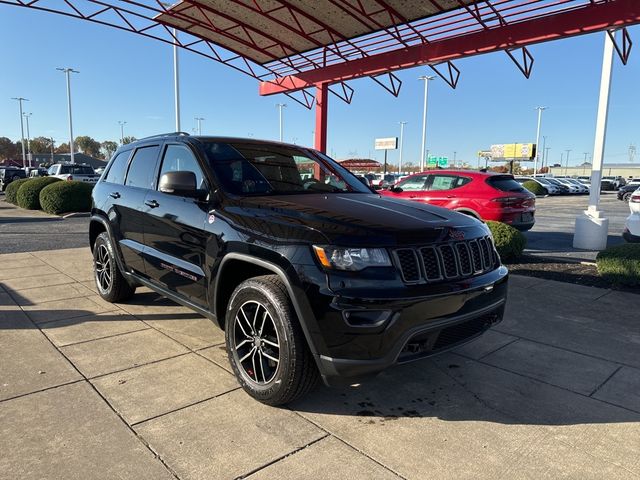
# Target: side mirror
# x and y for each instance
(395, 189)
(181, 183)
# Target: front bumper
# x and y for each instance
(413, 328)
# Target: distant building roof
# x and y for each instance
(361, 163)
(66, 157)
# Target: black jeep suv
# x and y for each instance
(308, 271)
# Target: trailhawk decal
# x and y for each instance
(177, 271)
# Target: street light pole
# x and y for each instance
(423, 160)
(122, 124)
(402, 124)
(20, 100)
(67, 72)
(535, 163)
(199, 119)
(26, 116)
(566, 168)
(176, 78)
(53, 144)
(280, 107)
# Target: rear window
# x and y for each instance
(505, 183)
(142, 167)
(77, 170)
(118, 167)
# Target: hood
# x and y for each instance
(351, 219)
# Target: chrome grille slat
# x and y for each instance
(455, 260)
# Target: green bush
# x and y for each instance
(11, 192)
(620, 264)
(62, 197)
(509, 241)
(29, 194)
(535, 188)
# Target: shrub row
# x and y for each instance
(63, 197)
(509, 241)
(535, 188)
(29, 194)
(50, 194)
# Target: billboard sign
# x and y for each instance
(389, 143)
(513, 151)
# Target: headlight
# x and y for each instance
(340, 258)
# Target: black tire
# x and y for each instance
(627, 197)
(295, 372)
(111, 284)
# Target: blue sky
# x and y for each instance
(128, 77)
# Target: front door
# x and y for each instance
(174, 235)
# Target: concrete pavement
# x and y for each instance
(144, 390)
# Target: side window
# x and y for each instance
(180, 158)
(413, 183)
(118, 168)
(142, 167)
(53, 170)
(448, 182)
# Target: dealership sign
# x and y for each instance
(390, 143)
(513, 151)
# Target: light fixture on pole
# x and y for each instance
(402, 124)
(535, 163)
(26, 116)
(280, 107)
(423, 159)
(24, 155)
(199, 120)
(122, 124)
(67, 72)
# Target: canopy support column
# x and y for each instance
(322, 105)
(591, 228)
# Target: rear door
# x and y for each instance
(140, 178)
(174, 234)
(442, 189)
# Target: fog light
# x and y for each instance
(366, 318)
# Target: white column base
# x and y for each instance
(591, 231)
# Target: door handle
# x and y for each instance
(152, 203)
(114, 194)
(412, 196)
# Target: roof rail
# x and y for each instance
(166, 135)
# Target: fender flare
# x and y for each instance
(302, 308)
(116, 247)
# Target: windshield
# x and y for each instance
(77, 169)
(263, 169)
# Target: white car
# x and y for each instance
(632, 226)
(583, 188)
(572, 187)
(551, 189)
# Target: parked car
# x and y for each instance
(485, 196)
(574, 185)
(617, 181)
(550, 189)
(631, 231)
(607, 184)
(386, 180)
(624, 193)
(38, 172)
(308, 278)
(564, 189)
(9, 174)
(73, 171)
(585, 180)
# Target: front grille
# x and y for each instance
(456, 260)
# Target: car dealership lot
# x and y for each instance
(552, 391)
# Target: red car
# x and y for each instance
(486, 196)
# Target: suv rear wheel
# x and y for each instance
(111, 284)
(266, 347)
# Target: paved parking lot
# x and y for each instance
(555, 223)
(143, 390)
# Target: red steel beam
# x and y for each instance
(322, 110)
(580, 21)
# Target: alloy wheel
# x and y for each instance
(256, 343)
(103, 268)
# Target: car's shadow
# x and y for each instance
(449, 387)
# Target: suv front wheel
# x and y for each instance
(111, 284)
(266, 347)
